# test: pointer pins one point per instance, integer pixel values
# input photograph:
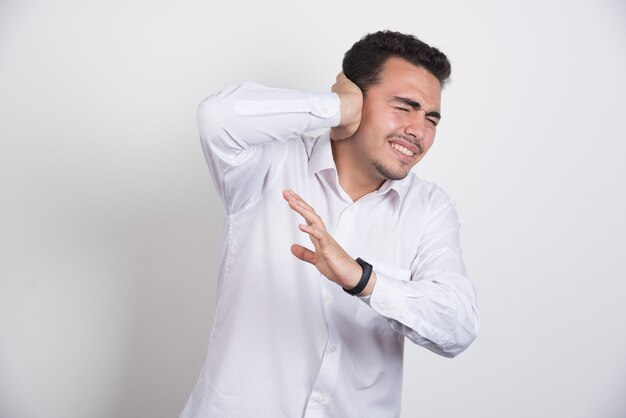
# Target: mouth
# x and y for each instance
(402, 149)
(406, 150)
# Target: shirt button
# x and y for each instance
(324, 110)
(320, 400)
(333, 348)
(325, 298)
(383, 306)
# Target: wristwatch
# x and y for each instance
(365, 277)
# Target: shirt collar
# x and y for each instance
(322, 159)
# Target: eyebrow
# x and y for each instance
(415, 105)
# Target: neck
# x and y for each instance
(356, 177)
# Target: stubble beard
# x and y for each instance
(387, 173)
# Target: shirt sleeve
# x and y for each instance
(437, 307)
(242, 128)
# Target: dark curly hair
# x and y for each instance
(364, 61)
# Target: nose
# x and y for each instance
(416, 125)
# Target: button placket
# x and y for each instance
(344, 234)
(330, 365)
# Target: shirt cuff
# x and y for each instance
(389, 296)
(324, 109)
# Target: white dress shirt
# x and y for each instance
(286, 341)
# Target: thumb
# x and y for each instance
(303, 253)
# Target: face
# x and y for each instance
(398, 121)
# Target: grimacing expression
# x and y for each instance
(399, 120)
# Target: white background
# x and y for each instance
(109, 223)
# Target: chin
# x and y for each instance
(390, 174)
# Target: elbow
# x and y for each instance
(460, 345)
(452, 348)
(450, 343)
(211, 116)
(465, 329)
(464, 335)
(218, 110)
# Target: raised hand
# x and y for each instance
(351, 99)
(329, 258)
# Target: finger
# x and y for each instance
(303, 208)
(309, 215)
(288, 195)
(291, 195)
(303, 253)
(300, 200)
(312, 231)
(293, 199)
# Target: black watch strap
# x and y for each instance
(365, 278)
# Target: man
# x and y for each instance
(377, 254)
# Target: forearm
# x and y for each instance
(440, 317)
(251, 115)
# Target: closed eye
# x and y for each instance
(403, 108)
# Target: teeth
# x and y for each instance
(402, 149)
